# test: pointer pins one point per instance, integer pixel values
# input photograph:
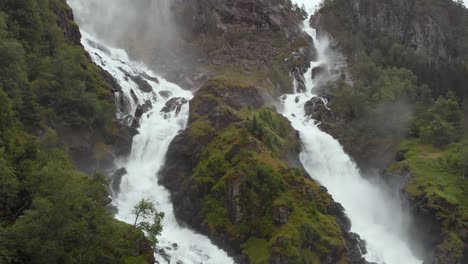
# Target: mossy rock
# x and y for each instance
(439, 194)
(236, 185)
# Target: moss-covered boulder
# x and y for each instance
(230, 179)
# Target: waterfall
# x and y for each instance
(157, 129)
(147, 94)
(375, 213)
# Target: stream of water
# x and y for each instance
(156, 131)
(375, 213)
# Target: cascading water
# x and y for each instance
(156, 131)
(376, 215)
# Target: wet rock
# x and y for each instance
(124, 139)
(149, 77)
(134, 96)
(164, 255)
(317, 110)
(141, 109)
(313, 105)
(126, 73)
(117, 179)
(143, 85)
(99, 47)
(174, 104)
(165, 94)
(319, 70)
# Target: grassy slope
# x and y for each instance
(438, 190)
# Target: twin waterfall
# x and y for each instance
(375, 214)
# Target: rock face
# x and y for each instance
(238, 15)
(222, 186)
(432, 31)
(174, 104)
(116, 180)
(66, 22)
(143, 85)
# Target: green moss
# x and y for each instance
(241, 166)
(272, 74)
(444, 190)
(201, 128)
(257, 250)
(134, 260)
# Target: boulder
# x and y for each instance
(124, 139)
(165, 94)
(116, 180)
(317, 71)
(149, 77)
(141, 109)
(143, 85)
(174, 104)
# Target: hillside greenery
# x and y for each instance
(49, 211)
(250, 195)
(403, 101)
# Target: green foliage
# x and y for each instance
(269, 128)
(151, 219)
(50, 212)
(242, 180)
(9, 188)
(438, 182)
(257, 250)
(441, 124)
(49, 80)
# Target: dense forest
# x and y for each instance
(49, 211)
(408, 98)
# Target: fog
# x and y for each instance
(145, 28)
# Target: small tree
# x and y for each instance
(151, 224)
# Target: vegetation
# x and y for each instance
(49, 211)
(438, 184)
(406, 100)
(249, 193)
(146, 209)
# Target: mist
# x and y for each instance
(145, 28)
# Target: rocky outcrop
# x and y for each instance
(65, 21)
(143, 85)
(431, 29)
(215, 171)
(217, 16)
(174, 104)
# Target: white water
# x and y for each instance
(148, 153)
(376, 214)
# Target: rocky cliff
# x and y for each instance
(435, 29)
(423, 42)
(231, 174)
